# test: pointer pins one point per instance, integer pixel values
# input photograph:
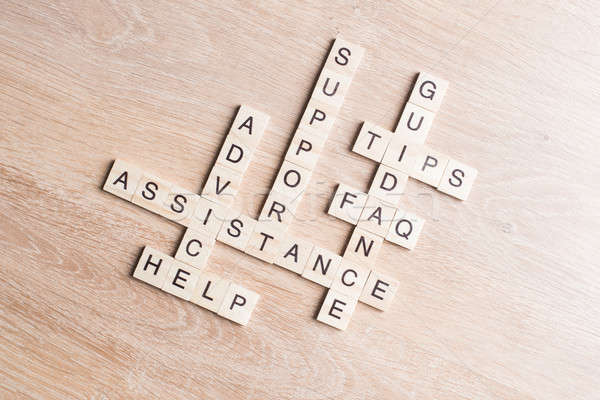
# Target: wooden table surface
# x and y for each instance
(500, 299)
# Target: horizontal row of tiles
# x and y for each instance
(189, 283)
(376, 216)
(401, 155)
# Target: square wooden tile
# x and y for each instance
(180, 205)
(181, 280)
(379, 291)
(372, 141)
(457, 179)
(344, 57)
(208, 217)
(337, 309)
(195, 248)
(388, 184)
(350, 278)
(222, 184)
(415, 123)
(236, 230)
(377, 216)
(235, 154)
(210, 291)
(305, 149)
(347, 203)
(265, 240)
(249, 125)
(430, 166)
(293, 253)
(332, 87)
(292, 180)
(405, 229)
(321, 266)
(279, 208)
(238, 304)
(363, 247)
(318, 118)
(123, 179)
(429, 91)
(152, 193)
(152, 267)
(402, 155)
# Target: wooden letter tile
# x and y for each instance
(265, 240)
(363, 247)
(152, 267)
(347, 203)
(235, 154)
(388, 184)
(428, 91)
(376, 216)
(236, 230)
(305, 149)
(293, 253)
(337, 309)
(457, 180)
(350, 278)
(415, 123)
(181, 280)
(152, 193)
(318, 118)
(430, 166)
(180, 205)
(292, 180)
(331, 87)
(405, 229)
(249, 125)
(123, 179)
(344, 57)
(194, 248)
(238, 304)
(210, 291)
(279, 208)
(222, 184)
(321, 266)
(379, 291)
(208, 217)
(372, 140)
(402, 155)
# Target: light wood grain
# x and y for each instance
(498, 301)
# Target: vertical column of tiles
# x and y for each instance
(318, 117)
(424, 101)
(235, 155)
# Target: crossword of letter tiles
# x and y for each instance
(209, 216)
